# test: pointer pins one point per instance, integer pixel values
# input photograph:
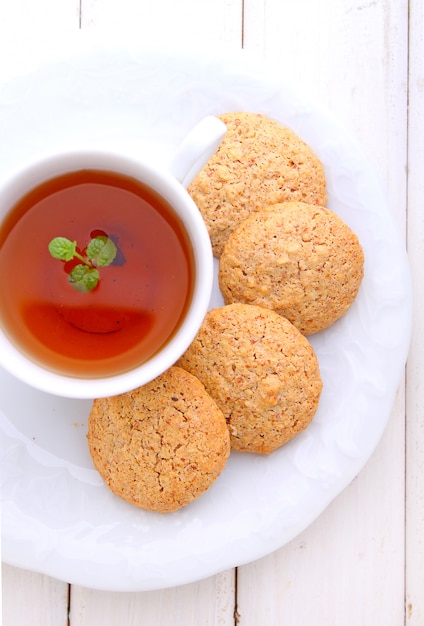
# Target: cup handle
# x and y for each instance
(196, 149)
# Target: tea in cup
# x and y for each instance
(106, 267)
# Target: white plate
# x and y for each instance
(57, 516)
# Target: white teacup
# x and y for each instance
(67, 308)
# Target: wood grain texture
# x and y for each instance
(209, 602)
(30, 599)
(213, 21)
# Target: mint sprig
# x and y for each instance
(84, 276)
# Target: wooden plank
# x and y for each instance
(415, 404)
(26, 21)
(347, 568)
(209, 602)
(31, 599)
(211, 22)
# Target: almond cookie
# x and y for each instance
(162, 445)
(298, 259)
(260, 370)
(259, 162)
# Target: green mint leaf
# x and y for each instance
(101, 251)
(62, 248)
(83, 278)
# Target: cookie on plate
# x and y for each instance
(260, 370)
(259, 162)
(301, 260)
(162, 445)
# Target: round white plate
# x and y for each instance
(57, 516)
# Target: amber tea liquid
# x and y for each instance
(141, 298)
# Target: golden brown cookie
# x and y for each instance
(298, 259)
(259, 162)
(261, 371)
(162, 445)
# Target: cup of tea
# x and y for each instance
(106, 267)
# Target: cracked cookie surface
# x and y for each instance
(298, 259)
(261, 371)
(162, 445)
(259, 162)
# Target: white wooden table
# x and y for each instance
(362, 562)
